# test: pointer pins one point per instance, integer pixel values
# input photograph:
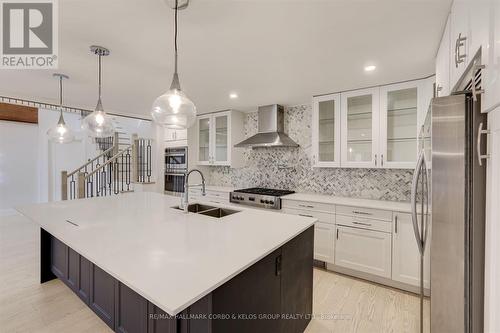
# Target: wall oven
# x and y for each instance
(175, 170)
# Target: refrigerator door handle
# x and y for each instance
(481, 157)
(414, 186)
(425, 193)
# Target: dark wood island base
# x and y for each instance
(273, 295)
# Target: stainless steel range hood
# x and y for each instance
(271, 130)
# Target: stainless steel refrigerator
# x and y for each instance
(450, 182)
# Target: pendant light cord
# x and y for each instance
(175, 33)
(61, 97)
(60, 92)
(99, 79)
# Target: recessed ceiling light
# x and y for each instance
(370, 68)
(233, 95)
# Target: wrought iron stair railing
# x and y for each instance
(112, 172)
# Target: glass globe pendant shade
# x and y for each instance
(61, 133)
(98, 124)
(174, 110)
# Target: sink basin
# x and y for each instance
(196, 208)
(208, 210)
(219, 212)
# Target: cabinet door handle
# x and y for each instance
(278, 266)
(337, 233)
(305, 215)
(361, 213)
(382, 160)
(396, 224)
(375, 159)
(481, 157)
(459, 58)
(361, 223)
(306, 206)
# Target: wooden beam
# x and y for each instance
(19, 113)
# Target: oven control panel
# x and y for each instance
(256, 200)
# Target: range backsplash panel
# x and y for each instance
(291, 168)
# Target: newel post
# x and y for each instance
(64, 185)
(81, 185)
(116, 143)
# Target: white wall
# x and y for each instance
(18, 164)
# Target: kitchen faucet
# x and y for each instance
(185, 198)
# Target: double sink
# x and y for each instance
(207, 210)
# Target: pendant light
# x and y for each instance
(174, 109)
(98, 123)
(61, 133)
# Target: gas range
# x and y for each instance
(259, 197)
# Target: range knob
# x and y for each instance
(262, 201)
(271, 202)
(241, 198)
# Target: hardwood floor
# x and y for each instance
(341, 304)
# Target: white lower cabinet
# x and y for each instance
(363, 250)
(324, 229)
(405, 253)
(324, 242)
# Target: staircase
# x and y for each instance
(122, 162)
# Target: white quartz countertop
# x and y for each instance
(168, 257)
(394, 206)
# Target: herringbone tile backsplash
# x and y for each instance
(291, 168)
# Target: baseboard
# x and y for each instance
(377, 279)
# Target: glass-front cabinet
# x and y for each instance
(370, 128)
(217, 133)
(204, 124)
(221, 140)
(213, 141)
(400, 107)
(360, 129)
(326, 130)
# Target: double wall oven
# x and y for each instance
(176, 166)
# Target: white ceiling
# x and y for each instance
(267, 51)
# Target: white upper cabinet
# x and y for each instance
(360, 128)
(399, 120)
(175, 138)
(204, 139)
(216, 134)
(459, 40)
(175, 135)
(326, 131)
(490, 52)
(370, 128)
(443, 63)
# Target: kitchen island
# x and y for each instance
(144, 266)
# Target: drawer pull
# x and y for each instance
(361, 223)
(361, 213)
(305, 215)
(306, 206)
